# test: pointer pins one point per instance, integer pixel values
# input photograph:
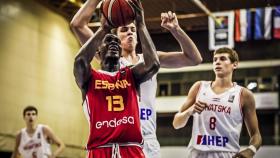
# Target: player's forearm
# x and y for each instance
(14, 155)
(89, 49)
(181, 119)
(82, 67)
(83, 16)
(187, 45)
(148, 48)
(256, 140)
(59, 149)
(79, 23)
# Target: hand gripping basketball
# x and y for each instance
(139, 12)
(118, 12)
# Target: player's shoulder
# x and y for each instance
(19, 133)
(247, 97)
(45, 128)
(201, 83)
(196, 86)
(245, 92)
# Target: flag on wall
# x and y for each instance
(276, 25)
(237, 28)
(221, 32)
(249, 25)
(267, 22)
(258, 25)
(262, 25)
(242, 24)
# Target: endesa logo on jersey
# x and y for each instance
(212, 140)
(100, 84)
(115, 122)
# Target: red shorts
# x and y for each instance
(125, 152)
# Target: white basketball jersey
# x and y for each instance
(147, 101)
(218, 127)
(35, 146)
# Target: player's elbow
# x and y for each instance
(156, 66)
(75, 25)
(78, 61)
(80, 70)
(198, 60)
(192, 60)
(176, 125)
(61, 145)
(79, 65)
(153, 68)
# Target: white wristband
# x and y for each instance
(253, 148)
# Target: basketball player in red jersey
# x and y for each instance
(189, 56)
(110, 94)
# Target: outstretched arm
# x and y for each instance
(251, 122)
(82, 67)
(16, 152)
(150, 66)
(50, 135)
(189, 56)
(79, 23)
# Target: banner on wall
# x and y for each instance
(221, 31)
(267, 100)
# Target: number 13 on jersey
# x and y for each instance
(115, 103)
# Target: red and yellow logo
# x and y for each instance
(100, 84)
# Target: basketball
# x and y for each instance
(118, 12)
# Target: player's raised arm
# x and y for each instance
(79, 23)
(189, 56)
(82, 67)
(150, 66)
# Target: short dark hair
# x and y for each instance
(233, 56)
(115, 30)
(30, 108)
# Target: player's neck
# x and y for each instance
(31, 128)
(110, 66)
(225, 82)
(130, 56)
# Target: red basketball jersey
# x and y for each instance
(111, 108)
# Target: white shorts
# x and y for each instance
(151, 148)
(194, 153)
